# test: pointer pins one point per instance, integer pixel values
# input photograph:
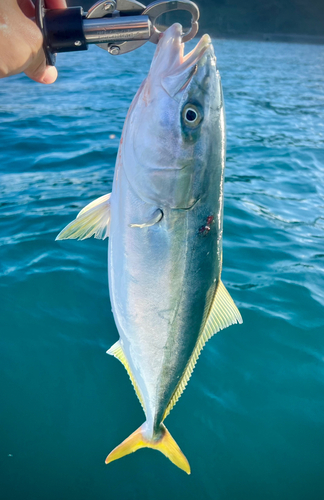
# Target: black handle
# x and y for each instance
(62, 30)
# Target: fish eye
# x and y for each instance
(191, 115)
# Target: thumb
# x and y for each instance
(39, 72)
(36, 68)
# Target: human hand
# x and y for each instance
(21, 41)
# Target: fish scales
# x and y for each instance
(164, 300)
(165, 223)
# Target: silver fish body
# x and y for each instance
(165, 234)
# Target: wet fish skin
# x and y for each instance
(169, 268)
(165, 218)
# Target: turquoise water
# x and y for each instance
(251, 421)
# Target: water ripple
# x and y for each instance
(255, 400)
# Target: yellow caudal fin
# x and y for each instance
(165, 444)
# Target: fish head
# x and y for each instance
(174, 133)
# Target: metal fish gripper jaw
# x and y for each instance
(118, 26)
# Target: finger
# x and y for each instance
(37, 69)
(55, 4)
(39, 72)
(27, 7)
(44, 74)
(49, 75)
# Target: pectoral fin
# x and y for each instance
(93, 220)
(156, 217)
(223, 313)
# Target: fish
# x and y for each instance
(164, 219)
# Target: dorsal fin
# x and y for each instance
(223, 313)
(116, 350)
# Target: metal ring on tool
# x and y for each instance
(156, 9)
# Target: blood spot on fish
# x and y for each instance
(204, 230)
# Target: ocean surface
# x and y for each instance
(251, 421)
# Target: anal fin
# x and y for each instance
(222, 313)
(116, 350)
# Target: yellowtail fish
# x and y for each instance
(164, 219)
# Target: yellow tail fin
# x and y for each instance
(166, 445)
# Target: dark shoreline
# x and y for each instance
(259, 37)
(268, 37)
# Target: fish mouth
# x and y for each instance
(196, 54)
(181, 68)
